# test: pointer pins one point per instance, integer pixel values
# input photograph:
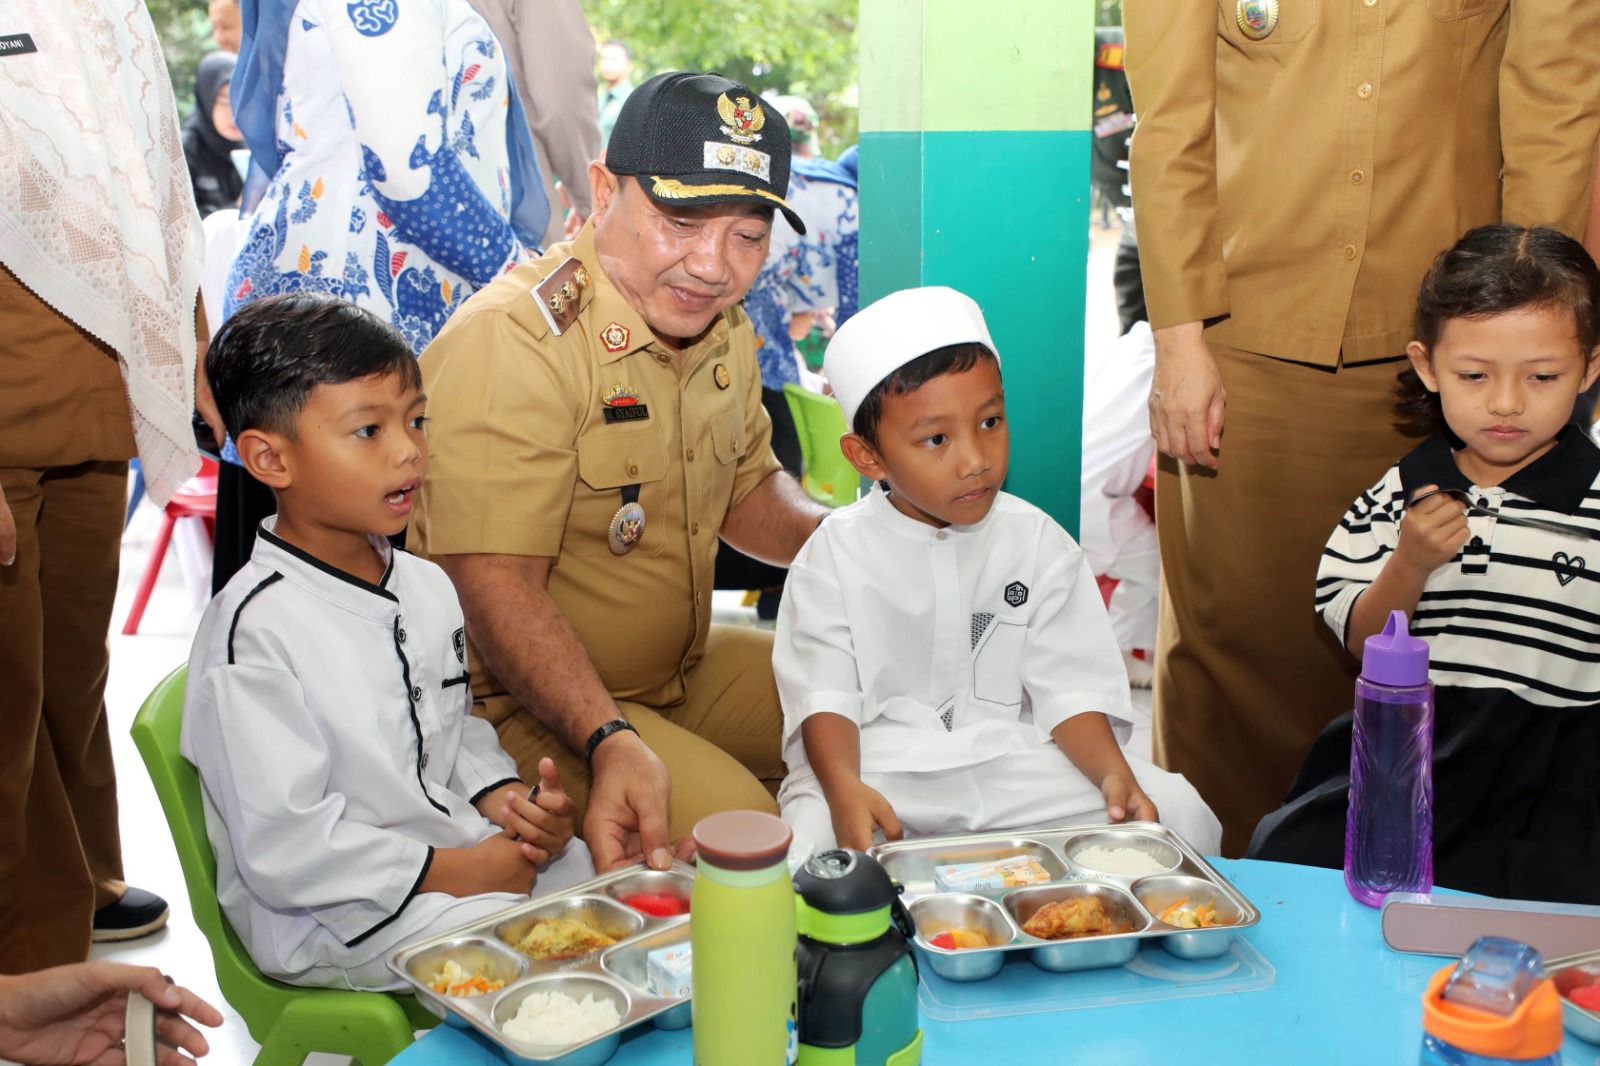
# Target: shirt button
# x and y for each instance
(695, 529)
(663, 358)
(1364, 90)
(1370, 3)
(633, 470)
(1349, 251)
(691, 455)
(1483, 501)
(1357, 177)
(1477, 542)
(400, 635)
(416, 693)
(941, 534)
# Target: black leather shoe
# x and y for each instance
(138, 913)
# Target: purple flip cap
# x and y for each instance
(1394, 657)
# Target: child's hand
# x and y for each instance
(545, 819)
(502, 863)
(1432, 532)
(857, 811)
(1126, 800)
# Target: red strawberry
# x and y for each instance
(396, 261)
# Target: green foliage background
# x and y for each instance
(185, 37)
(804, 47)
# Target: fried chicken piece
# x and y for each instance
(1063, 919)
(562, 938)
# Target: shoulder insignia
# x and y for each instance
(560, 294)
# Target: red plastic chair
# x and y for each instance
(195, 498)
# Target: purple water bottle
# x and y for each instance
(1388, 838)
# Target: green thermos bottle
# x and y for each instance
(858, 981)
(742, 934)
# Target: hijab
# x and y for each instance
(217, 183)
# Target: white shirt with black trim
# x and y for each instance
(947, 647)
(1517, 608)
(330, 720)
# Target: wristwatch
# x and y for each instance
(616, 725)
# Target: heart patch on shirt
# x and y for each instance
(1568, 567)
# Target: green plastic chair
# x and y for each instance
(828, 477)
(287, 1021)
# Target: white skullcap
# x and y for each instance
(886, 335)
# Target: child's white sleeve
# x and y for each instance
(265, 766)
(813, 656)
(1358, 549)
(1070, 663)
(482, 765)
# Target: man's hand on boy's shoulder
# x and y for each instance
(541, 816)
(857, 810)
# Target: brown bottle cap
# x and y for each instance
(742, 840)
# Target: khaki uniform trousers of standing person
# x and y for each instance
(65, 440)
(1296, 168)
(534, 438)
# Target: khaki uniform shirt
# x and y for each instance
(523, 461)
(1301, 184)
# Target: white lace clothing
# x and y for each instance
(97, 215)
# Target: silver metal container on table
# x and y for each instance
(616, 973)
(1132, 902)
(1575, 971)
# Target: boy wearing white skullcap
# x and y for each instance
(942, 652)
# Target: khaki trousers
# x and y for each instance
(60, 854)
(722, 744)
(1247, 674)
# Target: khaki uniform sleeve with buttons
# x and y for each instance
(1550, 111)
(756, 462)
(1172, 70)
(504, 413)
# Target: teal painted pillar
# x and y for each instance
(975, 174)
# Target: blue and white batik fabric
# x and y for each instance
(392, 165)
(806, 273)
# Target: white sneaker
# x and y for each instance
(1141, 671)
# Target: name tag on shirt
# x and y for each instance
(17, 44)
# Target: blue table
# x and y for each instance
(1341, 997)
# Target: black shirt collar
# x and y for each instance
(1558, 480)
(380, 589)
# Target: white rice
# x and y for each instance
(1119, 860)
(557, 1019)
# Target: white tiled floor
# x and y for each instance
(162, 644)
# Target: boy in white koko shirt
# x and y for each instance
(943, 654)
(353, 801)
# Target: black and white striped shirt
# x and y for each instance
(1517, 608)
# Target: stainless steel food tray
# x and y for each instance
(1568, 973)
(1000, 913)
(616, 973)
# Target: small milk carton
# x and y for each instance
(667, 971)
(1012, 871)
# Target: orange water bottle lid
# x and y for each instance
(1496, 1002)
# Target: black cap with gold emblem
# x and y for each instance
(703, 139)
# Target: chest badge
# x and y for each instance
(615, 337)
(627, 529)
(720, 375)
(1257, 18)
(622, 405)
(1016, 594)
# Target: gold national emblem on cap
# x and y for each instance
(742, 120)
(627, 528)
(1257, 18)
(614, 337)
(721, 376)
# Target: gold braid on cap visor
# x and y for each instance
(673, 189)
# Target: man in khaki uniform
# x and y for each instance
(597, 426)
(1296, 167)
